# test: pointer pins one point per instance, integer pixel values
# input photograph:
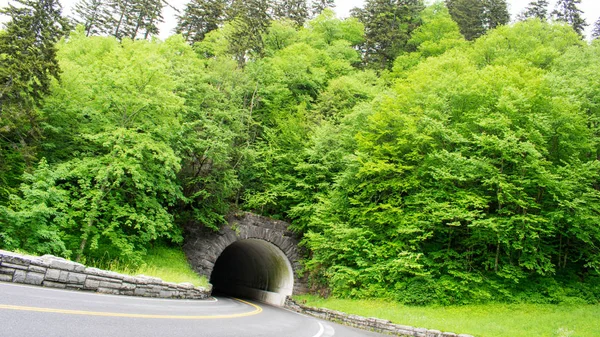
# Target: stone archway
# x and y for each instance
(253, 257)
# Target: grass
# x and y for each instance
(490, 320)
(168, 264)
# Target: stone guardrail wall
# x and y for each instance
(373, 324)
(55, 272)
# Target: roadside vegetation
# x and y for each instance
(489, 320)
(168, 264)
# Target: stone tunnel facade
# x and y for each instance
(253, 257)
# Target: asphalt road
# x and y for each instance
(27, 311)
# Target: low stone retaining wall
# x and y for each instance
(55, 272)
(373, 324)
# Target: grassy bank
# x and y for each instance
(491, 320)
(169, 264)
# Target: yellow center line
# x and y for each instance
(257, 310)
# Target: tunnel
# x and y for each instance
(253, 269)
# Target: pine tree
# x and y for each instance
(295, 10)
(250, 20)
(476, 17)
(199, 18)
(469, 16)
(28, 53)
(535, 9)
(146, 17)
(122, 12)
(93, 15)
(596, 31)
(496, 13)
(567, 11)
(388, 25)
(319, 5)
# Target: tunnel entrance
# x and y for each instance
(254, 269)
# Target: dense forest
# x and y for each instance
(424, 153)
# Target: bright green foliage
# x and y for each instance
(437, 34)
(467, 181)
(288, 85)
(36, 224)
(131, 135)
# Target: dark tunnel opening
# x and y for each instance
(253, 269)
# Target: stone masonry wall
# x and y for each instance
(372, 324)
(54, 272)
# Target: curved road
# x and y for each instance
(34, 311)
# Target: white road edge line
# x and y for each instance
(321, 330)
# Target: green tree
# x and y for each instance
(28, 54)
(199, 18)
(456, 186)
(596, 31)
(568, 12)
(388, 26)
(535, 9)
(294, 10)
(475, 17)
(317, 6)
(94, 15)
(249, 21)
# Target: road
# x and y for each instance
(27, 311)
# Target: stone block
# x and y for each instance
(19, 276)
(110, 285)
(165, 294)
(7, 271)
(6, 278)
(91, 284)
(37, 269)
(62, 264)
(420, 332)
(63, 276)
(434, 333)
(110, 291)
(129, 279)
(15, 266)
(186, 285)
(76, 278)
(140, 291)
(51, 284)
(127, 286)
(34, 278)
(52, 274)
(15, 259)
(449, 334)
(103, 273)
(74, 286)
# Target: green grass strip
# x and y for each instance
(490, 320)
